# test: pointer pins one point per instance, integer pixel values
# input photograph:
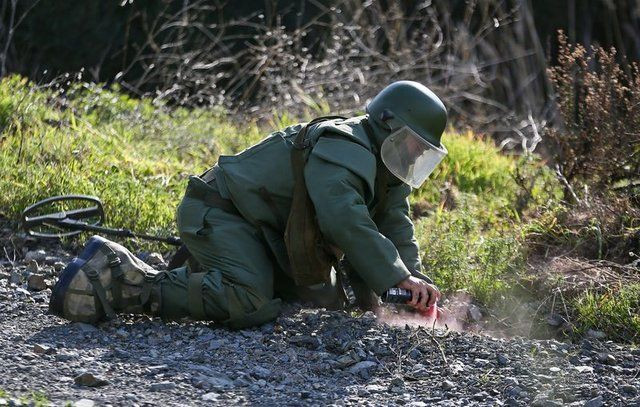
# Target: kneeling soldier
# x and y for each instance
(271, 222)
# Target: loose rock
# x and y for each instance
(37, 255)
(162, 386)
(503, 360)
(629, 389)
(15, 278)
(88, 379)
(595, 402)
(43, 349)
(210, 396)
(36, 282)
(33, 267)
(362, 366)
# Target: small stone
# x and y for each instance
(36, 282)
(474, 313)
(629, 389)
(65, 356)
(415, 354)
(584, 369)
(22, 292)
(595, 402)
(448, 385)
(84, 403)
(212, 396)
(514, 391)
(155, 259)
(362, 366)
(32, 266)
(592, 333)
(15, 278)
(503, 360)
(457, 368)
(481, 396)
(162, 386)
(480, 362)
(215, 345)
(37, 255)
(606, 358)
(397, 382)
(88, 379)
(122, 334)
(307, 341)
(345, 360)
(555, 320)
(554, 369)
(511, 381)
(218, 383)
(375, 388)
(43, 349)
(261, 372)
(58, 266)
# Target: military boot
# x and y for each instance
(103, 280)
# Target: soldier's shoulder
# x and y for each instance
(351, 129)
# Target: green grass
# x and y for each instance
(615, 312)
(134, 155)
(460, 255)
(35, 399)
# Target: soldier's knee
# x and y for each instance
(211, 297)
(247, 307)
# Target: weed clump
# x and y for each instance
(599, 105)
(615, 311)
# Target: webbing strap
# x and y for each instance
(301, 142)
(147, 285)
(382, 174)
(100, 292)
(236, 310)
(268, 199)
(213, 199)
(114, 262)
(194, 294)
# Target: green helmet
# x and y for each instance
(413, 119)
(412, 104)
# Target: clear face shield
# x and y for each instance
(410, 157)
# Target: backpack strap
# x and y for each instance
(309, 256)
(301, 142)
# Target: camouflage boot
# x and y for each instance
(103, 280)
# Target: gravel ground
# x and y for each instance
(307, 357)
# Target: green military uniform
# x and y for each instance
(336, 174)
(241, 251)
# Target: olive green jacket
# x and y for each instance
(340, 175)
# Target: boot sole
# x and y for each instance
(56, 303)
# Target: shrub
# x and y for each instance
(599, 106)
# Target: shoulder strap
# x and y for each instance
(381, 191)
(301, 142)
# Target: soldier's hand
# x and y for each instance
(423, 294)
